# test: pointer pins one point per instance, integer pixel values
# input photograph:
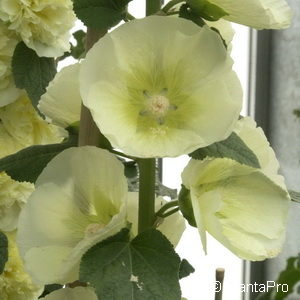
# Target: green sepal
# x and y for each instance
(3, 251)
(31, 72)
(207, 10)
(144, 268)
(233, 147)
(186, 13)
(185, 205)
(101, 14)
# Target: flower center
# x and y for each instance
(93, 228)
(157, 105)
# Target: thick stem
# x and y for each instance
(89, 133)
(152, 6)
(147, 171)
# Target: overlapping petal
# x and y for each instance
(62, 102)
(15, 283)
(8, 41)
(259, 14)
(244, 208)
(43, 25)
(80, 199)
(156, 86)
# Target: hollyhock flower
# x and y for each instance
(244, 208)
(62, 102)
(78, 293)
(8, 41)
(13, 196)
(23, 127)
(172, 227)
(80, 199)
(15, 283)
(156, 87)
(43, 25)
(259, 14)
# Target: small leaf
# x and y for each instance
(185, 269)
(31, 72)
(233, 147)
(27, 164)
(144, 268)
(100, 14)
(3, 251)
(78, 50)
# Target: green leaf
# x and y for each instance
(290, 277)
(185, 205)
(27, 164)
(31, 72)
(233, 147)
(185, 269)
(3, 251)
(207, 10)
(100, 14)
(144, 268)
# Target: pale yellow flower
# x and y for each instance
(259, 14)
(172, 227)
(15, 283)
(244, 208)
(78, 293)
(43, 25)
(62, 102)
(80, 199)
(8, 42)
(23, 127)
(156, 87)
(13, 196)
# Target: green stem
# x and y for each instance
(171, 212)
(152, 7)
(147, 171)
(89, 133)
(170, 4)
(122, 154)
(166, 207)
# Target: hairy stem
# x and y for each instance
(147, 170)
(89, 133)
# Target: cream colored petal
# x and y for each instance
(260, 14)
(44, 264)
(195, 95)
(13, 196)
(62, 101)
(256, 140)
(95, 174)
(239, 206)
(78, 293)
